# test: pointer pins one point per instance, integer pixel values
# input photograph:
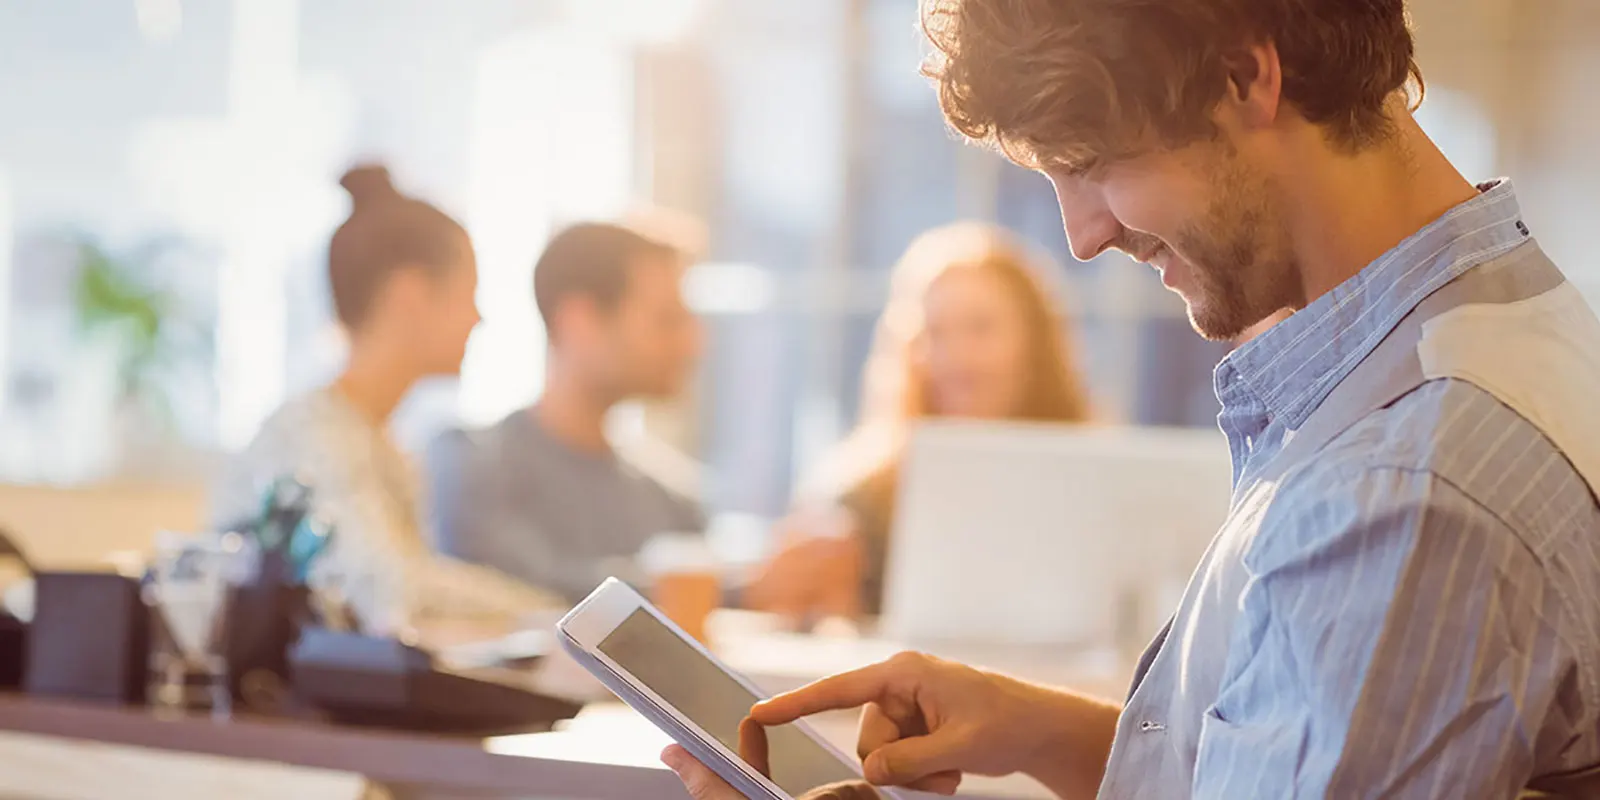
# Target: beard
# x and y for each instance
(1243, 266)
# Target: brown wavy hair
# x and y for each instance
(1067, 84)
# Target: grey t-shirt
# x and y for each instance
(516, 498)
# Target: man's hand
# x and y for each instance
(815, 573)
(926, 722)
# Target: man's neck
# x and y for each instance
(374, 385)
(574, 414)
(1351, 211)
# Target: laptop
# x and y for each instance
(1049, 535)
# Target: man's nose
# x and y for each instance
(1089, 223)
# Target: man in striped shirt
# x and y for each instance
(1405, 600)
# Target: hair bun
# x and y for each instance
(368, 185)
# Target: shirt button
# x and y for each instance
(1150, 726)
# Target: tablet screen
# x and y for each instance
(701, 691)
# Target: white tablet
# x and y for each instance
(678, 685)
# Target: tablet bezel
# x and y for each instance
(591, 621)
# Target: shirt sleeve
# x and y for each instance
(451, 589)
(379, 562)
(1396, 639)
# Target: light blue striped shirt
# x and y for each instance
(1420, 614)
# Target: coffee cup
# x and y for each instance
(685, 579)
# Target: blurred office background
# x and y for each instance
(168, 182)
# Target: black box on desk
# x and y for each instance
(90, 638)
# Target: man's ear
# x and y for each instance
(574, 318)
(1254, 90)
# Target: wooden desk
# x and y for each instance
(59, 751)
(67, 751)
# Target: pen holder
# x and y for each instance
(264, 621)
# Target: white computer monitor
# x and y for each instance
(1046, 534)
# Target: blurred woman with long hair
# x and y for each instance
(971, 331)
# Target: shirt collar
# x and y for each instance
(1292, 366)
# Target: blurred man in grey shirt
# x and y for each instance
(543, 495)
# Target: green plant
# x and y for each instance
(155, 338)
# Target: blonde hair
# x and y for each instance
(895, 392)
